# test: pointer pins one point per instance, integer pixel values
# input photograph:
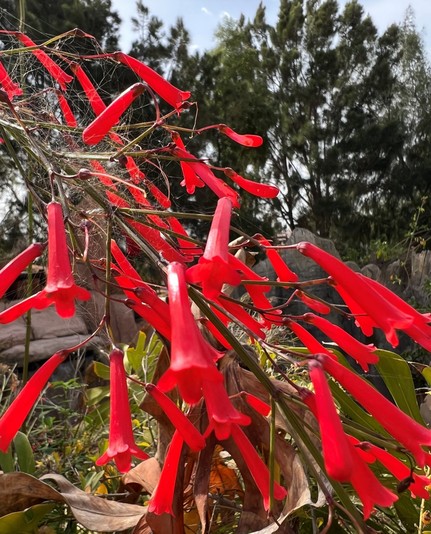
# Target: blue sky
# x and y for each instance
(201, 17)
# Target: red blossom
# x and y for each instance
(362, 319)
(284, 274)
(161, 500)
(60, 289)
(363, 354)
(110, 116)
(213, 269)
(401, 472)
(237, 311)
(121, 446)
(10, 272)
(256, 466)
(315, 305)
(382, 312)
(173, 96)
(191, 179)
(187, 247)
(188, 432)
(368, 487)
(138, 176)
(249, 140)
(256, 292)
(254, 188)
(160, 245)
(12, 89)
(96, 102)
(15, 415)
(402, 427)
(68, 115)
(192, 358)
(147, 304)
(335, 445)
(307, 339)
(257, 404)
(51, 66)
(222, 415)
(202, 170)
(419, 330)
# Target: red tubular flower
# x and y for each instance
(419, 330)
(186, 247)
(184, 426)
(237, 311)
(362, 319)
(213, 269)
(284, 274)
(256, 466)
(12, 89)
(60, 289)
(51, 66)
(68, 115)
(257, 404)
(315, 305)
(158, 84)
(363, 354)
(12, 420)
(221, 413)
(138, 176)
(10, 272)
(307, 339)
(400, 471)
(153, 238)
(402, 427)
(367, 486)
(202, 170)
(110, 116)
(382, 312)
(335, 445)
(121, 441)
(161, 500)
(192, 358)
(147, 304)
(250, 140)
(191, 180)
(256, 292)
(254, 188)
(96, 102)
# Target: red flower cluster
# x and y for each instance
(60, 290)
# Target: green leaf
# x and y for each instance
(27, 521)
(101, 370)
(24, 453)
(351, 409)
(135, 355)
(97, 394)
(7, 463)
(426, 373)
(397, 376)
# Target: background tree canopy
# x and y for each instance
(343, 110)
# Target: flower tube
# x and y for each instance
(121, 441)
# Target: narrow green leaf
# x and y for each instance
(426, 373)
(397, 376)
(24, 453)
(351, 409)
(7, 463)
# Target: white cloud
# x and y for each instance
(206, 11)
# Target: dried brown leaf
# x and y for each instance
(96, 513)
